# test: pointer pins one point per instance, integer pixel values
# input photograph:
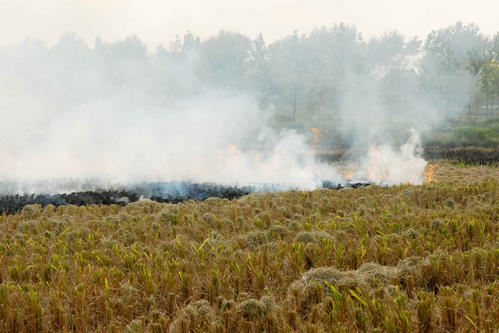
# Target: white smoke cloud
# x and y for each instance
(227, 143)
(67, 130)
(388, 166)
(290, 163)
(215, 137)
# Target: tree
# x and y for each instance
(447, 65)
(489, 83)
(223, 60)
(258, 69)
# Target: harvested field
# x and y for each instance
(461, 173)
(398, 259)
(469, 155)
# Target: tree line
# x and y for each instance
(330, 76)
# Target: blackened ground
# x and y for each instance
(13, 203)
(336, 186)
(173, 192)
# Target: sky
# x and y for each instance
(157, 22)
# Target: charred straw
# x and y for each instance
(171, 192)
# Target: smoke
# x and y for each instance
(288, 162)
(387, 166)
(79, 118)
(217, 137)
(100, 139)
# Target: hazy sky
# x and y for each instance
(158, 22)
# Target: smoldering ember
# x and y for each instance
(171, 192)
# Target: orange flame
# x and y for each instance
(233, 148)
(429, 174)
(317, 137)
(349, 171)
(373, 149)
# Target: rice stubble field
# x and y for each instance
(393, 259)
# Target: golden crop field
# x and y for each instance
(394, 259)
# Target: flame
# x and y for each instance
(317, 137)
(428, 173)
(233, 149)
(374, 149)
(231, 156)
(349, 171)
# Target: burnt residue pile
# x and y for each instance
(172, 192)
